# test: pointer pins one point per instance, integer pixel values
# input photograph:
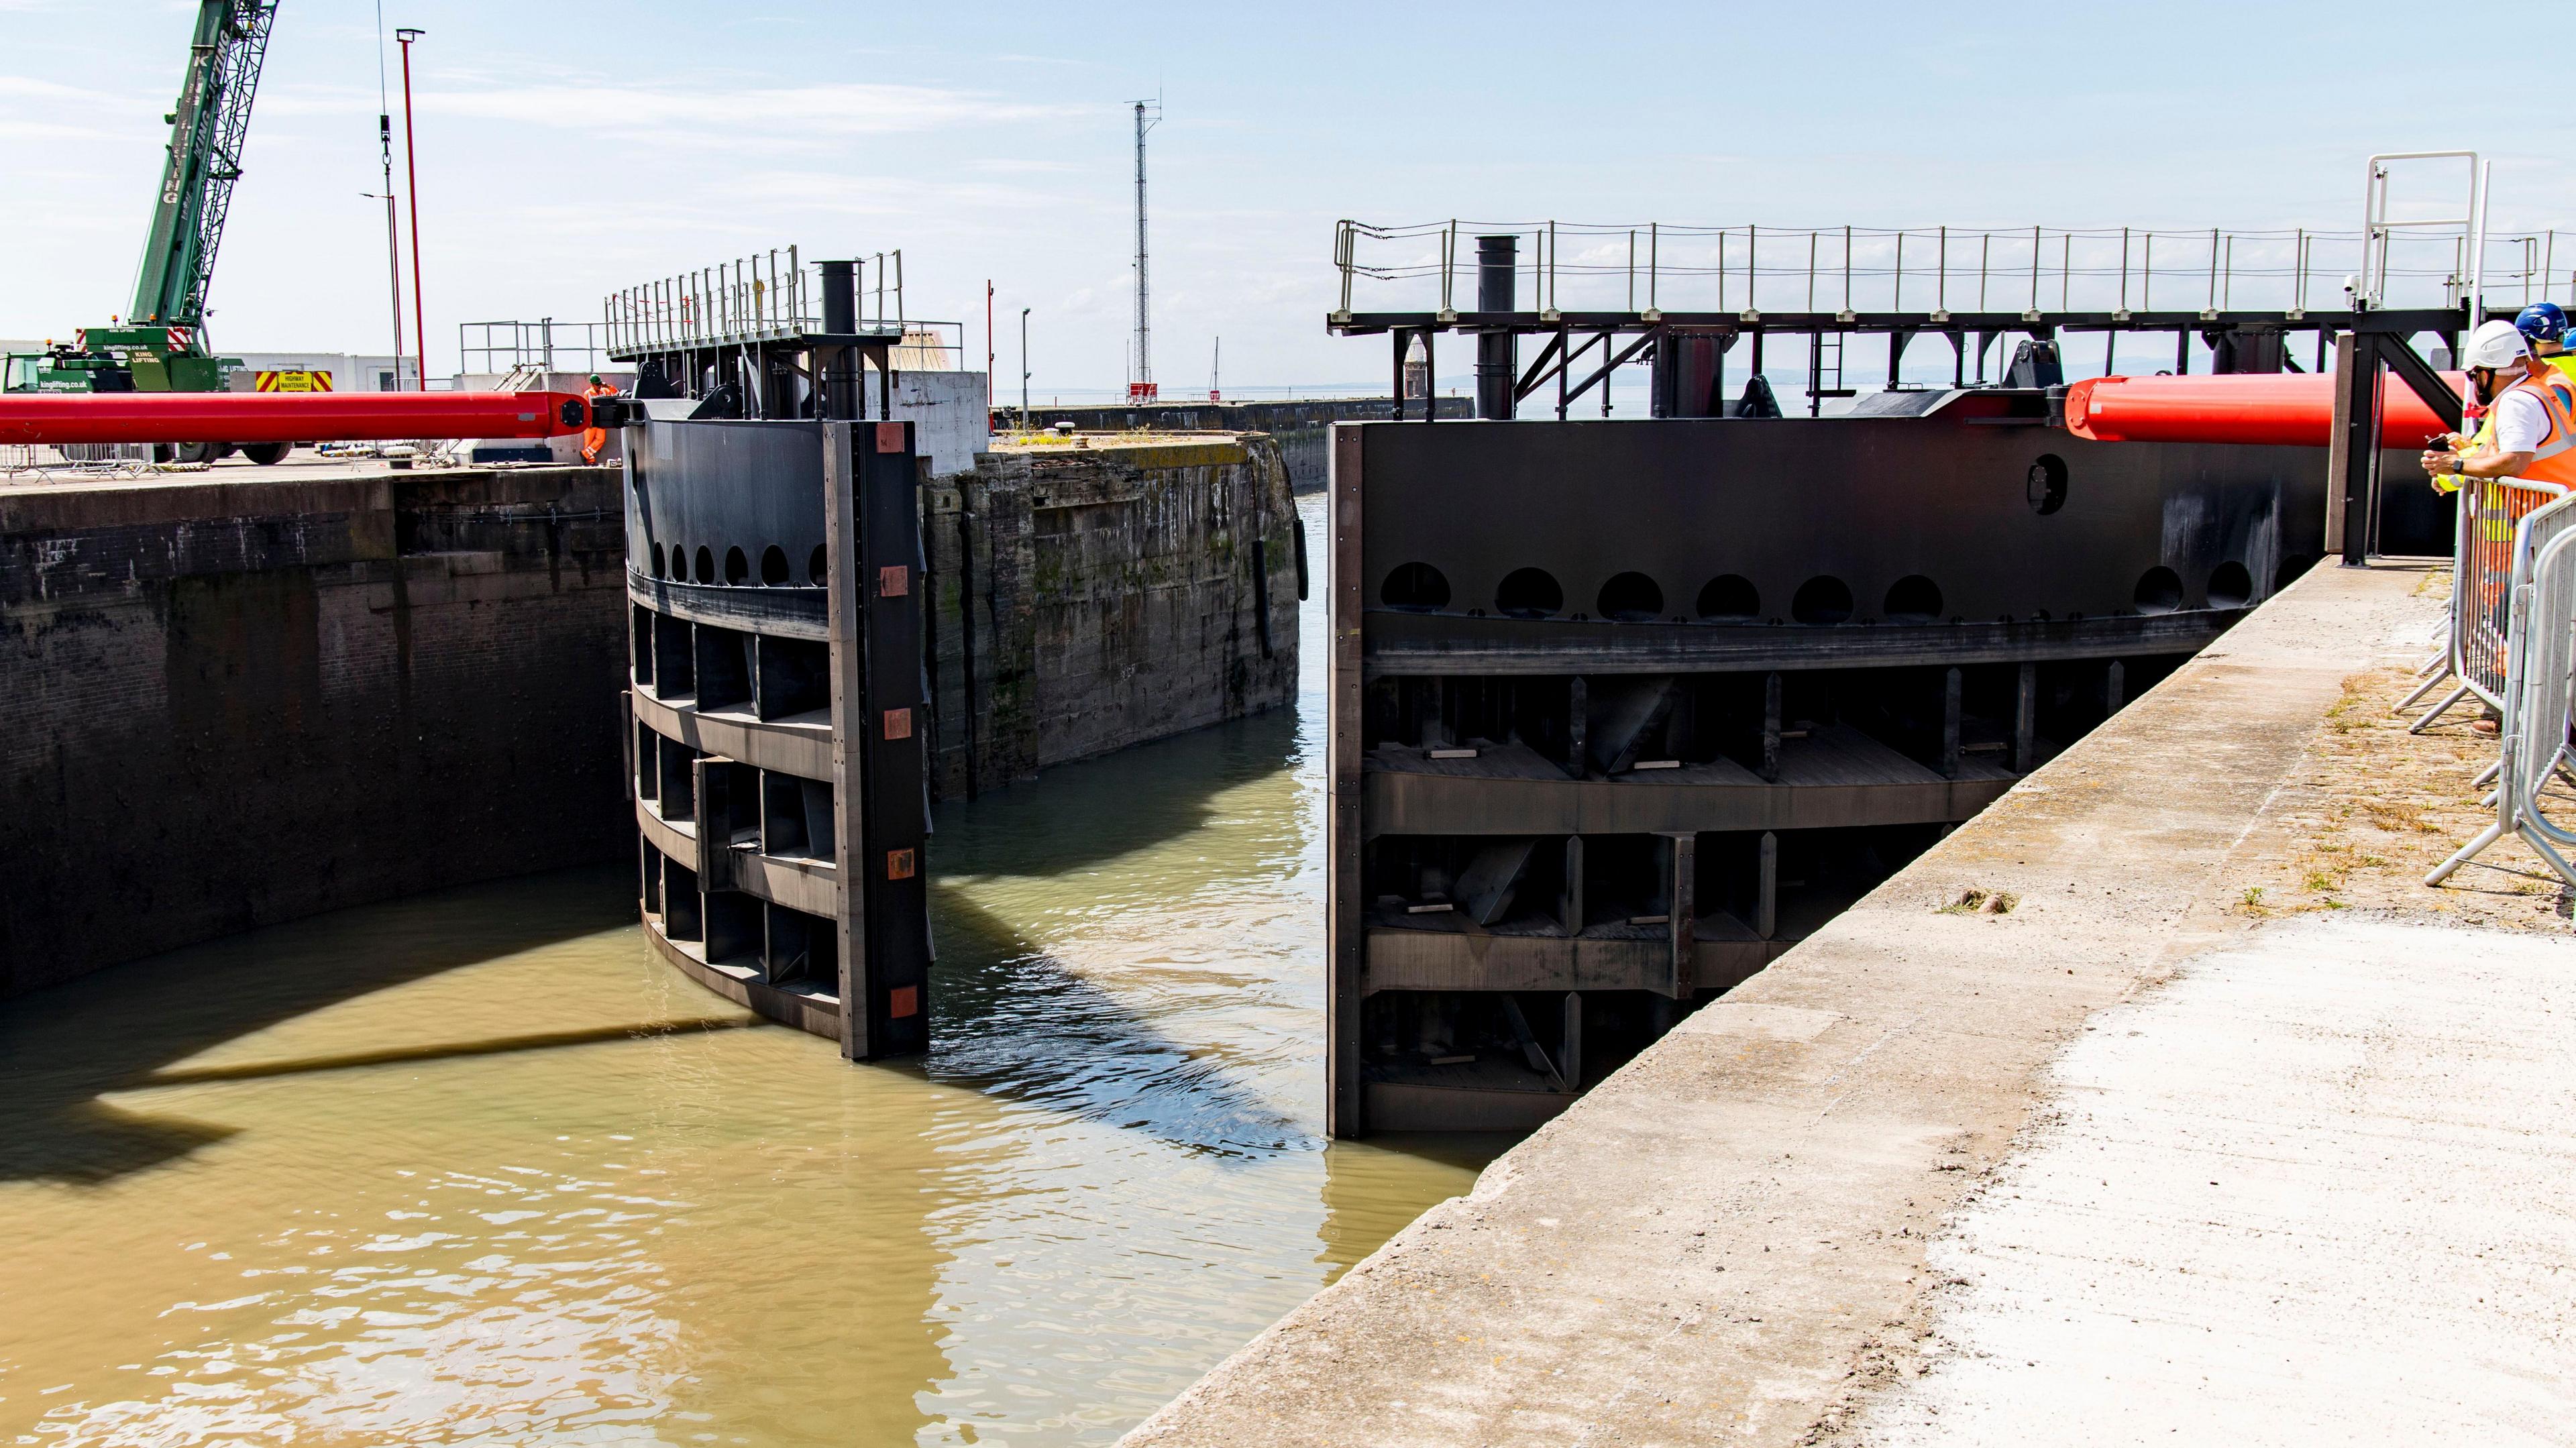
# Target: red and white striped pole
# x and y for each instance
(411, 175)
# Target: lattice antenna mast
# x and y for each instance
(1148, 115)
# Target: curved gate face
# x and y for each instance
(778, 772)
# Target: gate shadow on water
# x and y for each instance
(121, 1029)
(1013, 1021)
(1010, 1017)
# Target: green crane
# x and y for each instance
(160, 344)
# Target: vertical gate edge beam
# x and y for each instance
(894, 790)
(1345, 929)
(848, 696)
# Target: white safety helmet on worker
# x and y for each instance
(2497, 345)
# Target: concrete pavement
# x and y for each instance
(2314, 1189)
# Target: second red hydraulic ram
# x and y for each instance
(2289, 410)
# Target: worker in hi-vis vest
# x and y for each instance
(2544, 326)
(2529, 434)
(594, 440)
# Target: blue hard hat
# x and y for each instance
(2542, 322)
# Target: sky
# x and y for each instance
(567, 150)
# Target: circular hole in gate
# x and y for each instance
(737, 567)
(2230, 586)
(658, 566)
(1529, 593)
(1631, 598)
(2159, 590)
(2045, 484)
(1913, 599)
(1415, 588)
(680, 562)
(1730, 598)
(773, 565)
(1821, 599)
(706, 565)
(817, 567)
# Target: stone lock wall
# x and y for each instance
(1089, 598)
(227, 704)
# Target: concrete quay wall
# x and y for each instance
(1728, 1240)
(1303, 430)
(234, 703)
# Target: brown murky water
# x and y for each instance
(472, 1168)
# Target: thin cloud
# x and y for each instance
(55, 91)
(849, 109)
(55, 131)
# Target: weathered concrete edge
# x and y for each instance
(212, 497)
(1726, 1240)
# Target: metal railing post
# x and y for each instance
(1448, 273)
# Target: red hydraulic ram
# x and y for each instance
(255, 417)
(2285, 409)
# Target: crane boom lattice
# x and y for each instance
(207, 131)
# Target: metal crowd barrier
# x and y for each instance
(2493, 539)
(42, 460)
(2536, 688)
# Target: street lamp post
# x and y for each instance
(1024, 369)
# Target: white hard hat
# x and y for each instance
(2497, 344)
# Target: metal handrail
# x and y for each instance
(766, 296)
(1579, 267)
(543, 343)
(2378, 227)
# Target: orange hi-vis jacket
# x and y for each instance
(2501, 510)
(2554, 461)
